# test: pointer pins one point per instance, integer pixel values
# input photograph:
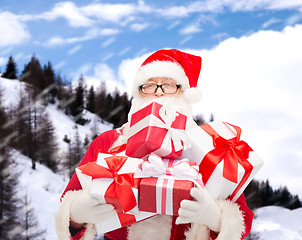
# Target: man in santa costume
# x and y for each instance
(167, 77)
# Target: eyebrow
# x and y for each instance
(163, 82)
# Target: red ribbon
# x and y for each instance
(234, 151)
(120, 188)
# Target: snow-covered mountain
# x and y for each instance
(45, 187)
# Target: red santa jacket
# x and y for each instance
(104, 142)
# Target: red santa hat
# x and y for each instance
(184, 68)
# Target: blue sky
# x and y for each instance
(251, 51)
(76, 35)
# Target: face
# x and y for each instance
(166, 83)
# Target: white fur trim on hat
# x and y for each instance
(166, 69)
(192, 95)
(62, 218)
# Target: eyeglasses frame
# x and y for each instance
(159, 86)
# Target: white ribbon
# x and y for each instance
(178, 136)
(155, 167)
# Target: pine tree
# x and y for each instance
(25, 126)
(252, 195)
(20, 124)
(101, 106)
(11, 69)
(46, 144)
(29, 223)
(75, 153)
(9, 204)
(91, 100)
(51, 90)
(77, 106)
(65, 95)
(116, 110)
(34, 76)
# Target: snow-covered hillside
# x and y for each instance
(45, 187)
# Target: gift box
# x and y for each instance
(159, 129)
(112, 179)
(226, 163)
(165, 183)
(163, 195)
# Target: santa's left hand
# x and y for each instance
(203, 210)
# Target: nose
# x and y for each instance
(159, 92)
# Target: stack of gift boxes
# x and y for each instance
(162, 161)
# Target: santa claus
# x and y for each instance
(168, 77)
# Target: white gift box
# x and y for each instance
(202, 143)
(99, 186)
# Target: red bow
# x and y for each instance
(120, 188)
(234, 151)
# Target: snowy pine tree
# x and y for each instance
(11, 69)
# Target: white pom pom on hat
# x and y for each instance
(184, 68)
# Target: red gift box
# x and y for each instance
(159, 129)
(165, 183)
(163, 195)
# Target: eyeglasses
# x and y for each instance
(167, 88)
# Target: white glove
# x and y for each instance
(203, 210)
(86, 209)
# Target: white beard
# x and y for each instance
(178, 103)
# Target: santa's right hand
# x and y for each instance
(86, 209)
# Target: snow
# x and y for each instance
(64, 125)
(278, 223)
(11, 92)
(45, 187)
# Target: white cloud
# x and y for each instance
(293, 19)
(89, 15)
(109, 12)
(186, 39)
(70, 12)
(103, 73)
(207, 6)
(108, 56)
(138, 27)
(254, 82)
(270, 22)
(173, 25)
(190, 29)
(220, 36)
(13, 32)
(90, 34)
(128, 69)
(125, 50)
(74, 49)
(59, 65)
(108, 42)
